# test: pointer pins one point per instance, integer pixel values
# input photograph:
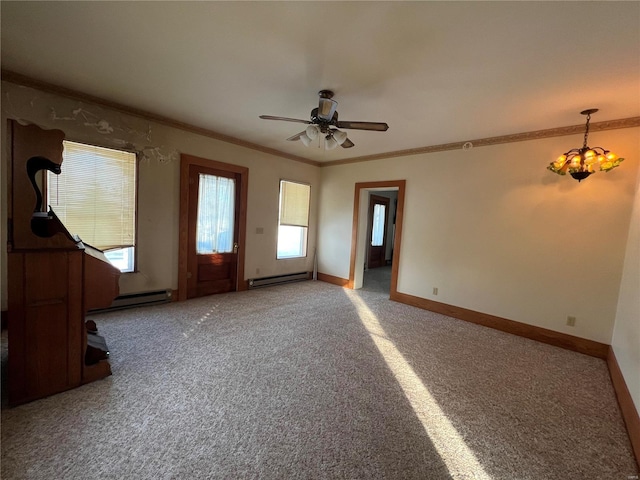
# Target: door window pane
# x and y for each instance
(377, 231)
(216, 212)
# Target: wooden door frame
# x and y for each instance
(400, 185)
(186, 161)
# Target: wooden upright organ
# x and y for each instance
(54, 279)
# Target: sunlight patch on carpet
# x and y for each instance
(455, 453)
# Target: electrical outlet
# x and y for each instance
(435, 290)
(571, 321)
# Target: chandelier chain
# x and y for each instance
(586, 132)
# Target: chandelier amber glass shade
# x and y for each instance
(582, 162)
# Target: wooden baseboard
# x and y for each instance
(569, 342)
(627, 407)
(341, 282)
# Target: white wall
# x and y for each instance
(626, 332)
(498, 233)
(158, 189)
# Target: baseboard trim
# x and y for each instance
(341, 282)
(569, 342)
(627, 407)
(562, 340)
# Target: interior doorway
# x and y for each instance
(362, 234)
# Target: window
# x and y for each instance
(294, 219)
(377, 231)
(95, 198)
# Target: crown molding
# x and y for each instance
(25, 81)
(485, 142)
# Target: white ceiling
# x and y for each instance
(436, 72)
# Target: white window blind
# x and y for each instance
(94, 196)
(294, 204)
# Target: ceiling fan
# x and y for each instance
(324, 121)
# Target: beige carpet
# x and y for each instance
(311, 381)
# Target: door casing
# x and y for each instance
(358, 234)
(186, 161)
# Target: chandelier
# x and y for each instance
(580, 162)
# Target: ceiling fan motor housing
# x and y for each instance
(322, 123)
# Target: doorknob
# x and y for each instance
(235, 247)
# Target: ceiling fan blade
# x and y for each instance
(376, 126)
(347, 144)
(271, 117)
(296, 136)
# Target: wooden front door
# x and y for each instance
(378, 216)
(213, 241)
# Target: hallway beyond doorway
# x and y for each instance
(377, 279)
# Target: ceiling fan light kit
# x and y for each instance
(330, 143)
(304, 138)
(324, 120)
(312, 131)
(581, 162)
(339, 136)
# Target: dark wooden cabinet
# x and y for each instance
(53, 280)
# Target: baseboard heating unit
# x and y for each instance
(138, 300)
(278, 280)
